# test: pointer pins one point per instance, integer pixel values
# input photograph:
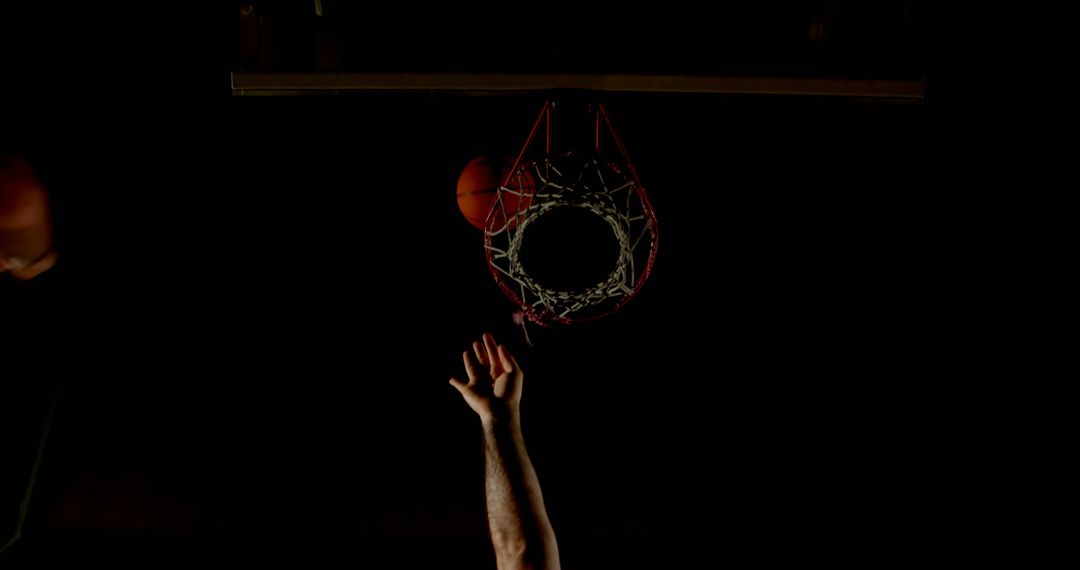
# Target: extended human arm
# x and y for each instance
(520, 529)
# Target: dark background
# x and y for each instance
(261, 299)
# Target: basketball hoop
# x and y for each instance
(606, 187)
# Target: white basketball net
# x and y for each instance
(536, 188)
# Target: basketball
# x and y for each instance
(478, 186)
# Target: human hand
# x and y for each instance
(494, 387)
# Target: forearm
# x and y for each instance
(520, 530)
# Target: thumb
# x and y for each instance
(461, 387)
(468, 393)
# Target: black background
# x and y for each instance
(261, 301)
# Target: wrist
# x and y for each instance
(501, 420)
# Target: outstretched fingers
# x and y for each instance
(493, 359)
(481, 354)
(470, 368)
(509, 364)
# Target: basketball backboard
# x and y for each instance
(823, 48)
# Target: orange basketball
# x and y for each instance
(478, 185)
